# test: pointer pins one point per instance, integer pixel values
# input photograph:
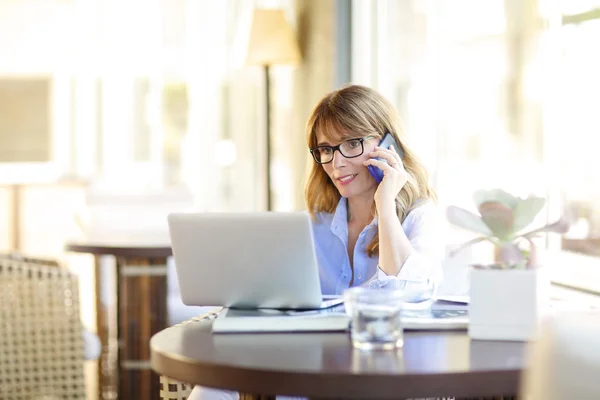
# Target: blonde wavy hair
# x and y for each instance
(352, 112)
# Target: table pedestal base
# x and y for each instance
(127, 322)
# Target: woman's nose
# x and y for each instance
(338, 159)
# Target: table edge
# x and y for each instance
(121, 250)
(499, 382)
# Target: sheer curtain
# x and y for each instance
(494, 94)
(170, 103)
(457, 71)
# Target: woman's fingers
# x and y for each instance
(390, 156)
(383, 165)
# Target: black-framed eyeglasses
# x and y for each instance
(350, 149)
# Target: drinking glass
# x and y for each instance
(376, 317)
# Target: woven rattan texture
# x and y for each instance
(41, 344)
(170, 389)
(174, 390)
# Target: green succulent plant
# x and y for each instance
(502, 220)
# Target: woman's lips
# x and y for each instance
(344, 180)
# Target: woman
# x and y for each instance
(366, 233)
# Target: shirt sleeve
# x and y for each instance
(423, 267)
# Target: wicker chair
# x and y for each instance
(41, 345)
(171, 389)
(16, 256)
(175, 390)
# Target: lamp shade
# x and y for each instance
(272, 39)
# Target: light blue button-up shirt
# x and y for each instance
(421, 272)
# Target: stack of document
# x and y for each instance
(269, 320)
(443, 314)
(449, 302)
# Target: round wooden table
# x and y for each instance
(131, 306)
(325, 365)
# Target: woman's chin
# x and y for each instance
(344, 192)
(363, 191)
(356, 188)
(348, 192)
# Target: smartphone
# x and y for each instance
(387, 142)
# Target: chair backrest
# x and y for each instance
(565, 361)
(171, 389)
(41, 344)
(16, 256)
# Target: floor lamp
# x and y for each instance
(272, 42)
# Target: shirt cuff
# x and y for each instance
(413, 270)
(414, 292)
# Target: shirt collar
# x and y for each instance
(339, 222)
(340, 217)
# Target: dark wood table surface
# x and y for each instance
(325, 365)
(131, 305)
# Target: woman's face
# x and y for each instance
(349, 175)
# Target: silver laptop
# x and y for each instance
(246, 260)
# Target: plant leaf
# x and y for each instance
(499, 218)
(495, 196)
(467, 220)
(560, 226)
(532, 262)
(526, 210)
(469, 243)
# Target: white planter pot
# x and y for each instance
(507, 304)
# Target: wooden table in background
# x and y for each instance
(134, 309)
(326, 366)
(589, 246)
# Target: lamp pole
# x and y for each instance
(272, 41)
(268, 137)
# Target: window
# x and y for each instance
(502, 94)
(25, 120)
(574, 126)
